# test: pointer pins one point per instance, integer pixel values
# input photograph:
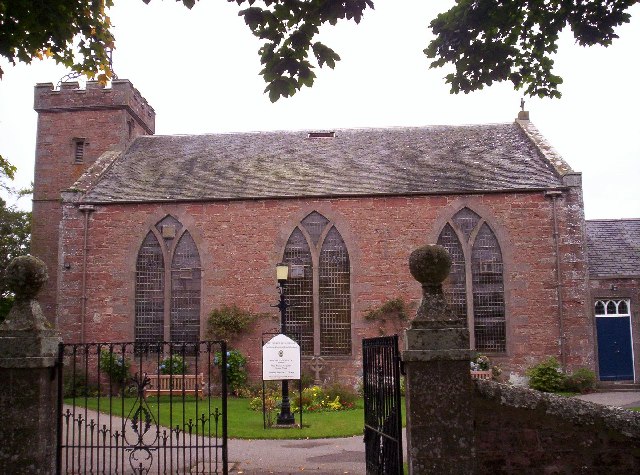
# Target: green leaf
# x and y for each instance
(7, 169)
(488, 41)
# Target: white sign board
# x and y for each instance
(280, 359)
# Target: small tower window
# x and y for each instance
(78, 150)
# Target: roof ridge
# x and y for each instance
(611, 220)
(336, 129)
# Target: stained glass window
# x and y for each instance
(485, 310)
(185, 291)
(182, 303)
(299, 290)
(455, 287)
(314, 224)
(335, 297)
(488, 292)
(149, 292)
(325, 261)
(466, 221)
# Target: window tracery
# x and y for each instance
(614, 307)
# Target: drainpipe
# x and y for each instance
(554, 194)
(85, 209)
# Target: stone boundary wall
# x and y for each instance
(518, 430)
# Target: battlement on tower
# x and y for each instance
(71, 97)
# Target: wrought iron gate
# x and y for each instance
(133, 408)
(382, 405)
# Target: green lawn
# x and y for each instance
(244, 423)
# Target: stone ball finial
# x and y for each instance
(430, 264)
(25, 276)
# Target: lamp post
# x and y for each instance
(282, 274)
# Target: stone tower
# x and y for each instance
(75, 127)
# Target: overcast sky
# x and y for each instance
(199, 71)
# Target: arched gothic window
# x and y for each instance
(149, 306)
(318, 290)
(167, 252)
(475, 286)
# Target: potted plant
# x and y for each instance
(481, 367)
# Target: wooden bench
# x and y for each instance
(177, 385)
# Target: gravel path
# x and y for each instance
(614, 398)
(317, 456)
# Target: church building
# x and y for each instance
(145, 235)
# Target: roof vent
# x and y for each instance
(321, 135)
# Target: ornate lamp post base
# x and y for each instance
(285, 418)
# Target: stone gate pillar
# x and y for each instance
(28, 349)
(440, 436)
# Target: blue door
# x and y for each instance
(615, 354)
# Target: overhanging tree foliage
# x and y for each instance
(288, 29)
(7, 170)
(15, 235)
(495, 40)
(15, 238)
(75, 33)
(486, 40)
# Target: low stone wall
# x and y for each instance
(522, 431)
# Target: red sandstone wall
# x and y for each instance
(578, 321)
(241, 242)
(100, 116)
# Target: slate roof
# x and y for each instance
(614, 247)
(395, 161)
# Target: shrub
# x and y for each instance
(307, 380)
(582, 380)
(396, 307)
(116, 366)
(317, 399)
(174, 364)
(78, 386)
(546, 376)
(271, 405)
(251, 391)
(310, 399)
(346, 395)
(227, 322)
(236, 369)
